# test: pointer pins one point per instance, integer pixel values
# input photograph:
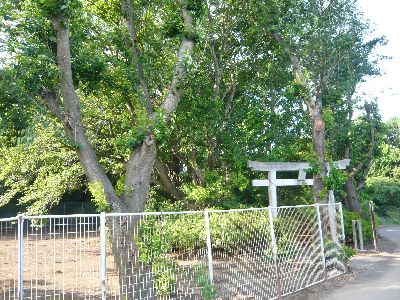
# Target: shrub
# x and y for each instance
(348, 252)
(392, 216)
(384, 192)
(348, 216)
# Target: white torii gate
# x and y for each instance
(273, 167)
(301, 167)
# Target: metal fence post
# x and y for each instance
(103, 242)
(275, 252)
(360, 235)
(342, 222)
(321, 238)
(20, 256)
(209, 249)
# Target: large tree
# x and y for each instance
(57, 35)
(320, 39)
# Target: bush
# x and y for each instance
(392, 216)
(383, 192)
(348, 216)
(348, 252)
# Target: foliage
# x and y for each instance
(98, 196)
(392, 216)
(348, 216)
(207, 289)
(335, 179)
(46, 171)
(239, 101)
(348, 253)
(383, 192)
(338, 254)
(164, 275)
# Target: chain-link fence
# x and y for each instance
(261, 253)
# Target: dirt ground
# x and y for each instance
(56, 265)
(321, 291)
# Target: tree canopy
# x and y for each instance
(159, 104)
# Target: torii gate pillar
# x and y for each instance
(272, 194)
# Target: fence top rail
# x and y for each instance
(156, 213)
(8, 219)
(167, 213)
(61, 216)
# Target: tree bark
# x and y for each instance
(141, 163)
(166, 182)
(352, 200)
(352, 189)
(72, 120)
(319, 148)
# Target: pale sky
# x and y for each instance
(385, 18)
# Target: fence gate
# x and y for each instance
(260, 253)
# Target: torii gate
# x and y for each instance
(301, 167)
(273, 167)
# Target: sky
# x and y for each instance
(384, 17)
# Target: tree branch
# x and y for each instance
(130, 25)
(297, 72)
(366, 164)
(166, 182)
(50, 100)
(186, 47)
(217, 69)
(74, 124)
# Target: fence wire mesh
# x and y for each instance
(160, 255)
(332, 232)
(8, 258)
(61, 258)
(236, 254)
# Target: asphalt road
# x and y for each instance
(381, 281)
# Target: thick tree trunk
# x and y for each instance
(352, 200)
(138, 174)
(135, 277)
(141, 163)
(319, 148)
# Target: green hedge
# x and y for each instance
(348, 216)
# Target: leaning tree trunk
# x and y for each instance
(352, 200)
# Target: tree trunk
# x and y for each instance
(138, 174)
(319, 148)
(72, 120)
(314, 106)
(166, 182)
(135, 277)
(352, 199)
(352, 189)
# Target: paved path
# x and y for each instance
(381, 279)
